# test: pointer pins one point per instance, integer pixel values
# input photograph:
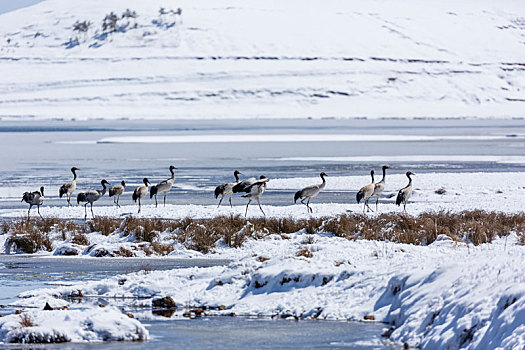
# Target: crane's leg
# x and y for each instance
(68, 197)
(92, 215)
(308, 206)
(118, 198)
(368, 207)
(85, 211)
(231, 206)
(405, 207)
(218, 205)
(139, 206)
(165, 199)
(377, 201)
(302, 201)
(29, 211)
(258, 201)
(156, 201)
(38, 209)
(246, 212)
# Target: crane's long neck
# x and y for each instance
(384, 175)
(236, 177)
(74, 175)
(172, 174)
(103, 192)
(42, 191)
(409, 180)
(324, 182)
(372, 174)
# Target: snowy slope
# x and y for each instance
(240, 59)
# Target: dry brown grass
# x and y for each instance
(124, 252)
(103, 224)
(162, 248)
(304, 251)
(474, 227)
(26, 321)
(80, 239)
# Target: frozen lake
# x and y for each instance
(19, 273)
(207, 152)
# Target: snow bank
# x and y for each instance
(221, 59)
(445, 295)
(59, 326)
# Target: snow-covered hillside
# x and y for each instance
(238, 59)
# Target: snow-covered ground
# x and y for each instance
(445, 295)
(503, 192)
(59, 326)
(271, 59)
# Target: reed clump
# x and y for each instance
(475, 226)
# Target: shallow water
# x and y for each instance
(41, 153)
(19, 273)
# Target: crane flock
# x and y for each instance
(250, 188)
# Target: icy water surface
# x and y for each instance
(207, 152)
(19, 273)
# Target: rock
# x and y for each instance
(164, 312)
(101, 252)
(499, 191)
(129, 314)
(222, 307)
(67, 250)
(164, 303)
(440, 191)
(48, 307)
(18, 312)
(369, 317)
(197, 312)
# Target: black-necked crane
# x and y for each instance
(255, 191)
(34, 198)
(69, 187)
(379, 187)
(405, 193)
(141, 191)
(163, 186)
(310, 192)
(243, 185)
(365, 193)
(226, 189)
(91, 196)
(116, 191)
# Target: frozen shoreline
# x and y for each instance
(425, 291)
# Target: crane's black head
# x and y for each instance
(372, 172)
(323, 174)
(172, 167)
(386, 167)
(146, 181)
(262, 177)
(73, 169)
(42, 190)
(123, 183)
(410, 173)
(104, 182)
(237, 172)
